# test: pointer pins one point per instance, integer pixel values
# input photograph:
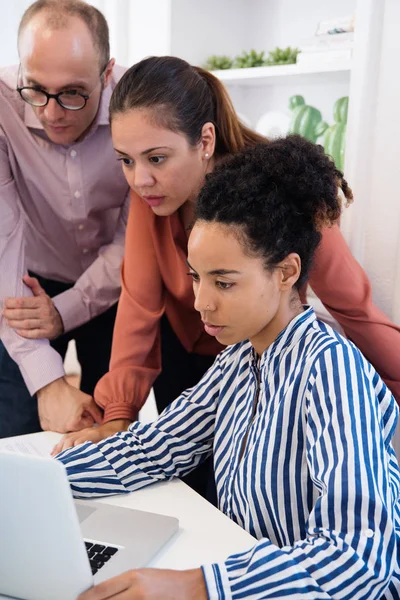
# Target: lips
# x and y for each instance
(214, 330)
(153, 200)
(57, 129)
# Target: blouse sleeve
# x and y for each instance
(349, 548)
(135, 357)
(344, 289)
(171, 446)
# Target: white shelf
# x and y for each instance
(280, 73)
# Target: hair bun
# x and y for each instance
(280, 194)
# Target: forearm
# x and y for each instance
(122, 392)
(312, 568)
(38, 362)
(148, 452)
(90, 466)
(136, 351)
(85, 301)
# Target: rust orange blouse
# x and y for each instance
(155, 281)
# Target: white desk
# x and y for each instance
(205, 534)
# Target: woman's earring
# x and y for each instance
(206, 155)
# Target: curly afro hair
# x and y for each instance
(278, 196)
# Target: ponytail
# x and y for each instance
(183, 99)
(232, 135)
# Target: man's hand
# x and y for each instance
(64, 408)
(34, 316)
(151, 584)
(91, 434)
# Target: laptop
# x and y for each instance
(52, 546)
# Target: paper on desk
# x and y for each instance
(38, 446)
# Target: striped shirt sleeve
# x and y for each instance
(171, 446)
(349, 550)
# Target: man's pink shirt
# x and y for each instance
(63, 214)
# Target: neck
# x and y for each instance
(286, 312)
(187, 210)
(186, 213)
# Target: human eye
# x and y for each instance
(193, 275)
(71, 93)
(127, 162)
(224, 285)
(157, 160)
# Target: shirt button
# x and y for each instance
(77, 194)
(81, 226)
(315, 325)
(73, 153)
(85, 251)
(369, 533)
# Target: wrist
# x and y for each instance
(196, 584)
(52, 387)
(117, 425)
(60, 321)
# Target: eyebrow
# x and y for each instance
(145, 151)
(218, 271)
(73, 85)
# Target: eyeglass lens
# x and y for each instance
(70, 100)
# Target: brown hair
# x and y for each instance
(185, 98)
(57, 13)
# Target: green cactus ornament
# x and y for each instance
(306, 120)
(334, 140)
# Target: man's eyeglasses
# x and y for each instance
(69, 99)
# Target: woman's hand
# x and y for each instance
(90, 434)
(151, 584)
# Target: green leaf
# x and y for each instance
(216, 62)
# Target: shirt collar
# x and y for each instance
(102, 117)
(289, 336)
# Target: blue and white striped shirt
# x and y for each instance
(303, 461)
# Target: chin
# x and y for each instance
(61, 138)
(229, 339)
(163, 210)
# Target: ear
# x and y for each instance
(108, 72)
(290, 271)
(208, 140)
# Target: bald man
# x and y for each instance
(63, 211)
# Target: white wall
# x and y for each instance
(372, 225)
(382, 223)
(137, 28)
(11, 13)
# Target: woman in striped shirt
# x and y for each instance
(298, 421)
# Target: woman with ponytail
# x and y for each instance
(297, 420)
(171, 125)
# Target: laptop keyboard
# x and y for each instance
(99, 555)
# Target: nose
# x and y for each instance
(203, 299)
(53, 112)
(140, 177)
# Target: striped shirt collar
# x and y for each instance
(287, 338)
